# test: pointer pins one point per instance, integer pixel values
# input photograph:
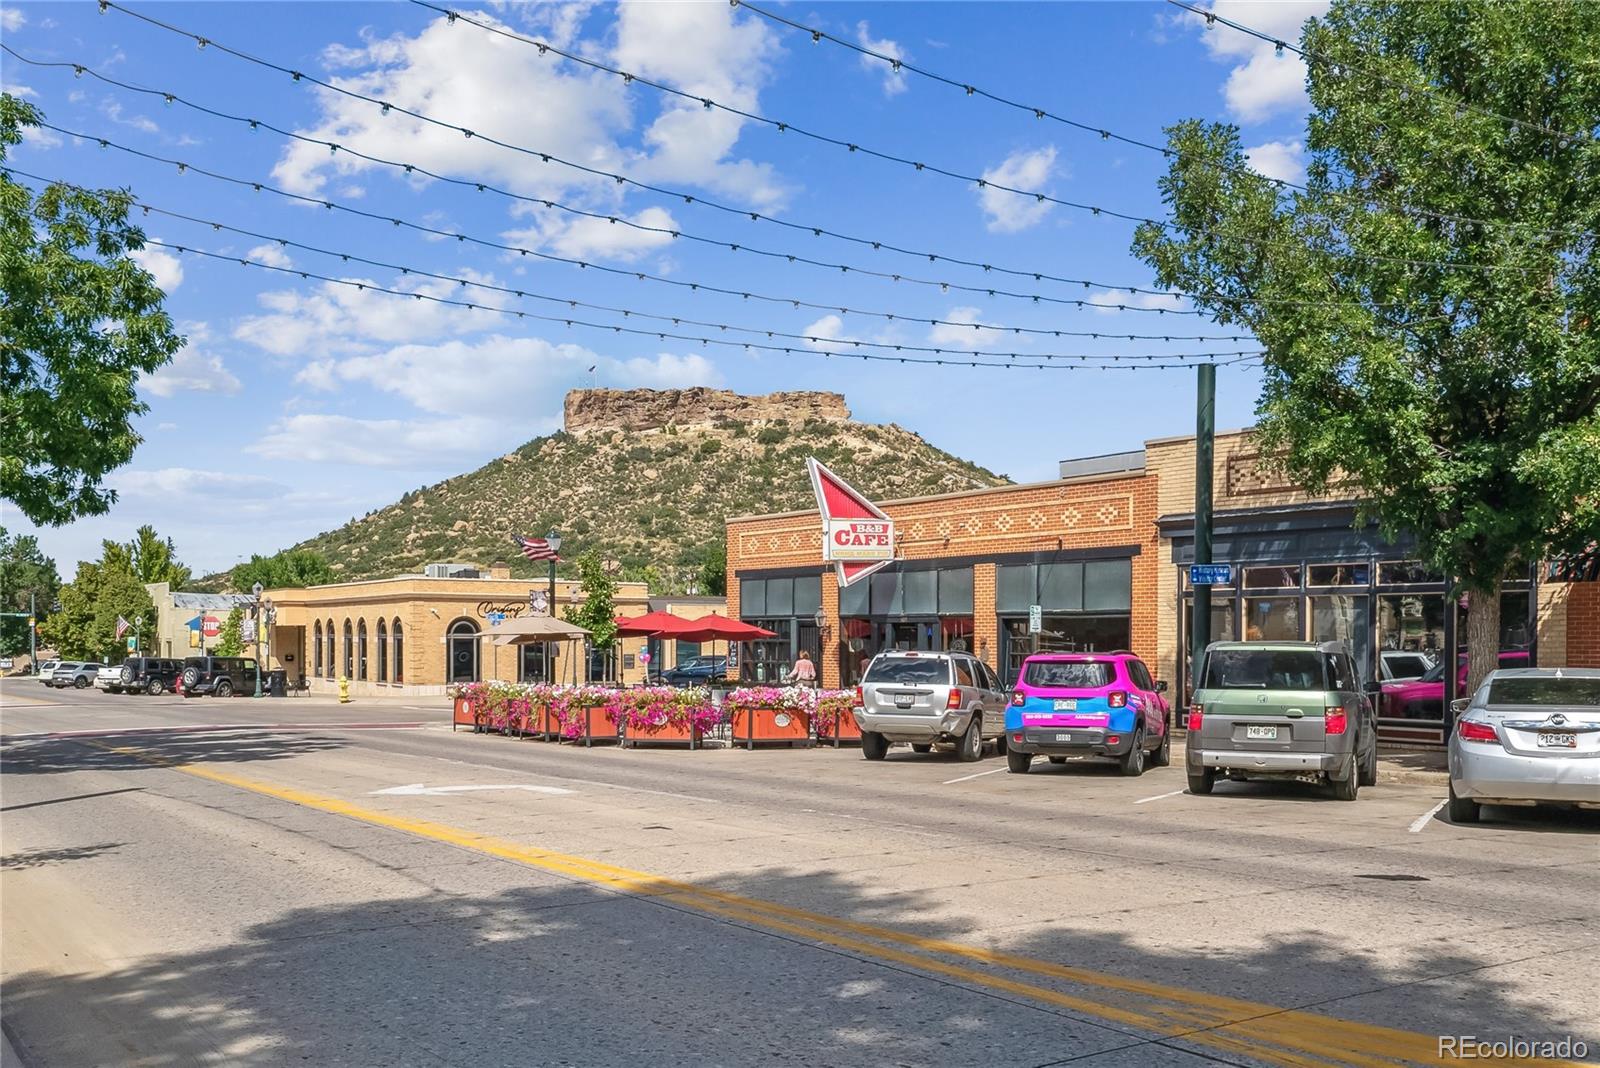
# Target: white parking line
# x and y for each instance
(1427, 817)
(1158, 797)
(979, 775)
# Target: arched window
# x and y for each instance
(316, 648)
(349, 651)
(383, 652)
(361, 650)
(463, 646)
(332, 661)
(399, 653)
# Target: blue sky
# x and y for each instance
(297, 404)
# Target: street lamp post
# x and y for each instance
(256, 611)
(554, 541)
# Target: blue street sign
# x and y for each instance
(496, 618)
(1210, 574)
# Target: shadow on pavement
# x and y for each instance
(569, 974)
(39, 858)
(49, 756)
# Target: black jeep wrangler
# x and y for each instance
(220, 676)
(148, 674)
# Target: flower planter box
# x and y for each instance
(770, 726)
(545, 724)
(665, 733)
(845, 729)
(597, 726)
(463, 716)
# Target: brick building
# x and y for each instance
(1103, 552)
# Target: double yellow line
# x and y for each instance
(1149, 1011)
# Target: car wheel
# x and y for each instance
(1162, 756)
(1201, 782)
(1462, 809)
(224, 688)
(1369, 767)
(79, 683)
(1000, 746)
(1347, 788)
(971, 747)
(1019, 762)
(153, 687)
(1132, 764)
(874, 746)
(921, 747)
(1058, 760)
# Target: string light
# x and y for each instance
(817, 231)
(1093, 209)
(570, 302)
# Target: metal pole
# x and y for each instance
(548, 665)
(1205, 429)
(33, 635)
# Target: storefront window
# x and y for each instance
(349, 651)
(399, 653)
(769, 659)
(955, 591)
(332, 643)
(1337, 575)
(383, 652)
(1272, 619)
(316, 649)
(361, 650)
(1276, 577)
(530, 663)
(1343, 618)
(955, 633)
(1406, 572)
(1411, 622)
(1062, 634)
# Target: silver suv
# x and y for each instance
(929, 699)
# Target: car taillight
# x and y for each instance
(1196, 716)
(1117, 699)
(1018, 699)
(955, 698)
(1334, 720)
(1471, 731)
(860, 700)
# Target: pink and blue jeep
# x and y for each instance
(1088, 704)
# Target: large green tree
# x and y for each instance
(598, 612)
(230, 640)
(79, 322)
(155, 559)
(85, 627)
(1429, 303)
(28, 582)
(292, 568)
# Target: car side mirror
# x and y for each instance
(1460, 705)
(1161, 686)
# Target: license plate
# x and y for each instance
(1063, 737)
(902, 700)
(1261, 733)
(1066, 704)
(1558, 740)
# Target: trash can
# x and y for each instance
(276, 683)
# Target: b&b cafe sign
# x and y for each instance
(857, 536)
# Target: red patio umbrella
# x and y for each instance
(714, 628)
(652, 625)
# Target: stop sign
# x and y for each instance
(211, 626)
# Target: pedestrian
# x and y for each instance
(804, 671)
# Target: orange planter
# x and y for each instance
(846, 729)
(545, 724)
(598, 726)
(461, 715)
(754, 725)
(667, 732)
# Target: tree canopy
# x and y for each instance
(79, 322)
(291, 568)
(85, 627)
(24, 570)
(230, 639)
(1428, 304)
(598, 612)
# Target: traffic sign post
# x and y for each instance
(1210, 574)
(1035, 618)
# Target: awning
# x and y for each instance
(1578, 567)
(531, 630)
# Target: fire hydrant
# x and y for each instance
(344, 690)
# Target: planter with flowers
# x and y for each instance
(584, 715)
(664, 714)
(770, 714)
(493, 707)
(834, 718)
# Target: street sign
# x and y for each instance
(1210, 574)
(1035, 618)
(496, 618)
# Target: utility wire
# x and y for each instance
(980, 182)
(1562, 137)
(184, 168)
(629, 313)
(898, 65)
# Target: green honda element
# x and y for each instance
(1281, 710)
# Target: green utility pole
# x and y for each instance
(1205, 430)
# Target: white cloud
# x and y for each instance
(343, 439)
(17, 90)
(1103, 297)
(1261, 83)
(947, 336)
(40, 138)
(12, 19)
(166, 268)
(580, 237)
(1009, 213)
(193, 371)
(894, 81)
(272, 254)
(112, 109)
(165, 427)
(1283, 160)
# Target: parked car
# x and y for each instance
(1088, 704)
(220, 676)
(149, 674)
(75, 674)
(1281, 710)
(109, 678)
(1529, 736)
(1403, 665)
(46, 670)
(928, 699)
(1424, 698)
(697, 671)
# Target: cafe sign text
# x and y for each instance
(859, 540)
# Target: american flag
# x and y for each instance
(535, 548)
(122, 627)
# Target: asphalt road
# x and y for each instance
(197, 883)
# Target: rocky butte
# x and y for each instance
(650, 409)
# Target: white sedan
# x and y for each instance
(1529, 736)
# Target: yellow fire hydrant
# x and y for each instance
(344, 690)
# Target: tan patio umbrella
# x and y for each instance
(537, 630)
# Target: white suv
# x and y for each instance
(928, 699)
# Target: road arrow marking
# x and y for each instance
(419, 789)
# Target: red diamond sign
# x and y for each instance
(857, 536)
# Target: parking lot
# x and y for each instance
(917, 910)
